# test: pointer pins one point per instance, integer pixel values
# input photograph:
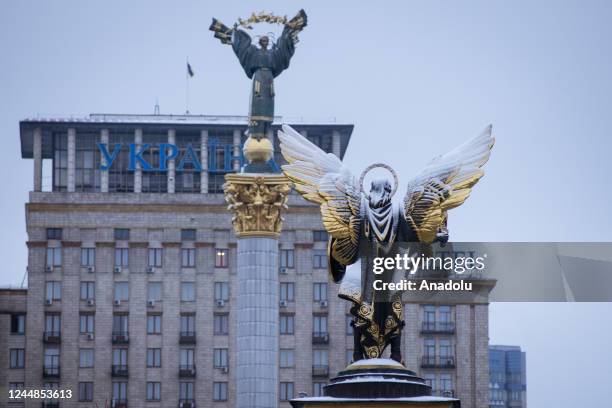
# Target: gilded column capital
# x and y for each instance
(257, 201)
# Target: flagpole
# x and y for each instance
(186, 87)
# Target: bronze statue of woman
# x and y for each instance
(262, 64)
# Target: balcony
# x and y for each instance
(51, 371)
(320, 338)
(186, 403)
(187, 337)
(121, 337)
(438, 328)
(438, 362)
(119, 403)
(50, 404)
(320, 370)
(187, 371)
(52, 337)
(444, 393)
(119, 370)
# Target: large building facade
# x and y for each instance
(508, 377)
(132, 270)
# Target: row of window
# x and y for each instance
(188, 258)
(188, 234)
(187, 291)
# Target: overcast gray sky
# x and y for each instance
(416, 79)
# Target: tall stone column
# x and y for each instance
(37, 143)
(204, 161)
(336, 143)
(257, 201)
(138, 170)
(104, 135)
(236, 149)
(171, 162)
(71, 159)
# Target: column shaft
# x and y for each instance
(71, 159)
(336, 146)
(104, 135)
(257, 328)
(37, 142)
(204, 161)
(171, 162)
(236, 149)
(138, 171)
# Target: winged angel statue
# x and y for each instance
(363, 225)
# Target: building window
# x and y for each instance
(153, 391)
(120, 324)
(219, 391)
(348, 356)
(320, 359)
(186, 391)
(86, 358)
(122, 257)
(54, 290)
(154, 324)
(16, 386)
(221, 256)
(153, 357)
(86, 323)
(286, 324)
(188, 324)
(446, 382)
(87, 162)
(122, 291)
(88, 290)
(52, 360)
(319, 291)
(220, 358)
(54, 256)
(349, 324)
(287, 359)
(120, 391)
(319, 236)
(317, 389)
(54, 234)
(53, 324)
(154, 291)
(186, 358)
(287, 258)
(188, 257)
(188, 235)
(287, 291)
(429, 348)
(187, 292)
(221, 291)
(17, 358)
(446, 349)
(88, 256)
(155, 257)
(286, 391)
(221, 323)
(17, 324)
(319, 325)
(122, 234)
(430, 379)
(120, 357)
(319, 259)
(85, 391)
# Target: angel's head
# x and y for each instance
(263, 42)
(380, 193)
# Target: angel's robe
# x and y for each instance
(262, 66)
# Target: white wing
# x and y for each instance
(320, 178)
(445, 183)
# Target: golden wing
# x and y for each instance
(444, 184)
(320, 178)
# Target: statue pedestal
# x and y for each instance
(376, 383)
